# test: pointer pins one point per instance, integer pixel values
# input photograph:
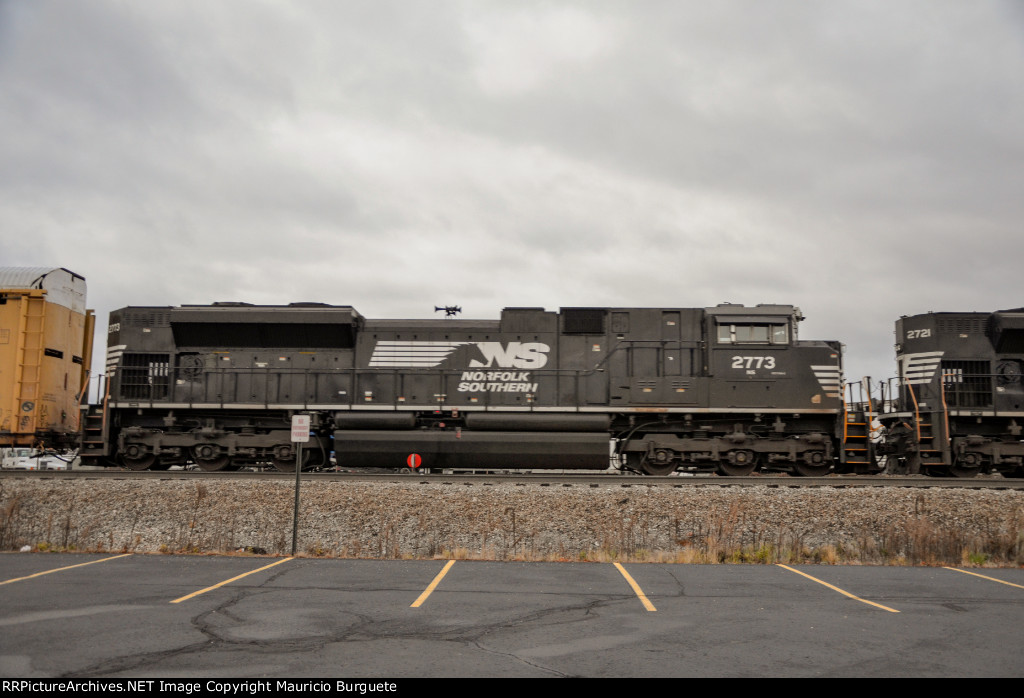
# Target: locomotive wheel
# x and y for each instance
(135, 457)
(315, 460)
(960, 470)
(807, 470)
(732, 470)
(650, 467)
(209, 458)
(966, 465)
(141, 462)
(287, 464)
(739, 464)
(213, 465)
(638, 462)
(661, 462)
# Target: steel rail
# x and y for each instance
(543, 479)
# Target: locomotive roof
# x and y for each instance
(296, 312)
(432, 324)
(753, 312)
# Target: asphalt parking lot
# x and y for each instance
(175, 616)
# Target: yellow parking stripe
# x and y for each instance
(228, 581)
(636, 588)
(433, 585)
(61, 569)
(991, 579)
(844, 593)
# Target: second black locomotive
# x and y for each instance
(957, 407)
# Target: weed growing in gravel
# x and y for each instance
(625, 529)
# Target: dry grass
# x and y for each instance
(627, 532)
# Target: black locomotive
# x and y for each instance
(958, 405)
(728, 388)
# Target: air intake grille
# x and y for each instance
(146, 317)
(144, 376)
(583, 321)
(967, 383)
(960, 325)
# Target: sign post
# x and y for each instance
(300, 435)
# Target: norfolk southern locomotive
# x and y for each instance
(958, 405)
(728, 389)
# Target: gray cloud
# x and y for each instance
(858, 159)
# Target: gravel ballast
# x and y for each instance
(711, 523)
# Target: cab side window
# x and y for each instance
(750, 333)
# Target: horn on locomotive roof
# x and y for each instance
(449, 310)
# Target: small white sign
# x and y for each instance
(300, 428)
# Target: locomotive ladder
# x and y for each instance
(858, 450)
(94, 434)
(927, 443)
(28, 372)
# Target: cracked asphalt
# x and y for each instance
(353, 618)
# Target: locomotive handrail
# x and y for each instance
(625, 343)
(917, 414)
(891, 395)
(946, 442)
(106, 401)
(219, 381)
(871, 408)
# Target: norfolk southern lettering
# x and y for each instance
(496, 382)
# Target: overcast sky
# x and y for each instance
(861, 160)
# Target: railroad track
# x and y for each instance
(543, 479)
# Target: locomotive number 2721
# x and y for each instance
(753, 362)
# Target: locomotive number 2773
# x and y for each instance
(753, 362)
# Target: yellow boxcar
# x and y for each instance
(45, 355)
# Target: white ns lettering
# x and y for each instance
(514, 355)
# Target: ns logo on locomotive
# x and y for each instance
(727, 389)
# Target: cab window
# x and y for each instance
(749, 333)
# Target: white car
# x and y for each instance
(29, 459)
